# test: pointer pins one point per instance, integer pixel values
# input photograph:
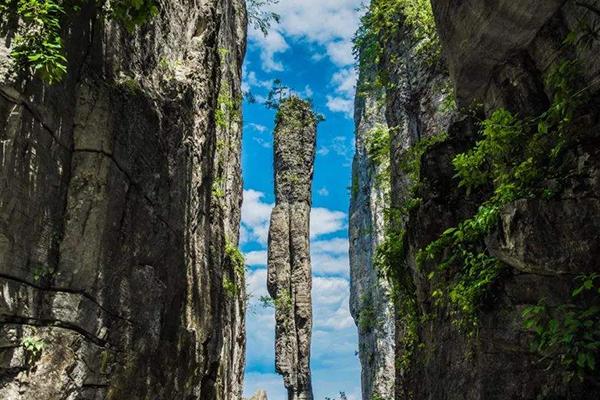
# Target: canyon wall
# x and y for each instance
(289, 277)
(508, 310)
(120, 194)
(370, 302)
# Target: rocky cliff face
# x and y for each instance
(370, 302)
(289, 278)
(464, 325)
(119, 212)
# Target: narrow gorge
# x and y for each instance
(466, 268)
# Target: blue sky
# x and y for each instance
(311, 52)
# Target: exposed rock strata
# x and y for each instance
(119, 194)
(289, 271)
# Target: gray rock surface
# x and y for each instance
(119, 196)
(369, 291)
(289, 279)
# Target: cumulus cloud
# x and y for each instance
(344, 81)
(271, 44)
(340, 104)
(340, 52)
(344, 84)
(257, 257)
(256, 214)
(324, 221)
(323, 192)
(330, 24)
(330, 257)
(257, 127)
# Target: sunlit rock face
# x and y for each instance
(371, 305)
(289, 278)
(119, 193)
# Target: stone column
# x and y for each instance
(289, 274)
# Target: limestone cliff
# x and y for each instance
(289, 278)
(120, 195)
(494, 280)
(370, 302)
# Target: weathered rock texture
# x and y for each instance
(497, 54)
(289, 271)
(370, 302)
(260, 395)
(119, 206)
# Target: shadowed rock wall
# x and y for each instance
(498, 55)
(289, 277)
(119, 196)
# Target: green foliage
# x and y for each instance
(282, 303)
(513, 159)
(258, 17)
(367, 318)
(288, 103)
(382, 23)
(228, 109)
(133, 13)
(230, 287)
(587, 27)
(34, 346)
(236, 260)
(235, 256)
(569, 335)
(217, 189)
(378, 144)
(38, 47)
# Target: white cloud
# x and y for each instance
(327, 23)
(344, 81)
(330, 257)
(330, 299)
(255, 217)
(257, 257)
(323, 151)
(307, 91)
(340, 52)
(324, 221)
(253, 81)
(262, 142)
(323, 192)
(258, 127)
(336, 245)
(271, 44)
(340, 104)
(344, 84)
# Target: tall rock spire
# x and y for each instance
(289, 274)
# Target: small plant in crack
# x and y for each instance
(33, 346)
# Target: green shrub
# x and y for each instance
(38, 47)
(568, 336)
(34, 346)
(513, 158)
(381, 25)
